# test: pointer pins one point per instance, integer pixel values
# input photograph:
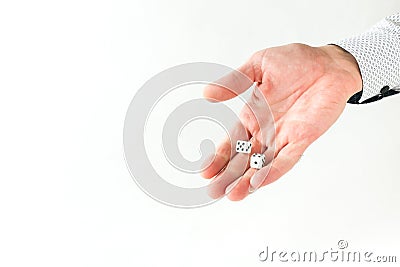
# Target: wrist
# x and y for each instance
(346, 62)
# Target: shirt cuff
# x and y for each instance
(377, 53)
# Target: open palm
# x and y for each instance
(306, 88)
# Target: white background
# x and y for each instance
(68, 71)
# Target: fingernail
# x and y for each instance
(251, 189)
(255, 182)
(231, 186)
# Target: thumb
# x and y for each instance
(236, 82)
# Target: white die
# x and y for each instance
(243, 146)
(257, 161)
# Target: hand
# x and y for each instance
(307, 89)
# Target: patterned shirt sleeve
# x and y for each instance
(377, 53)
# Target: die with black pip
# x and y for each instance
(243, 146)
(257, 160)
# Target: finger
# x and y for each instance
(240, 190)
(225, 151)
(236, 82)
(287, 157)
(243, 188)
(236, 167)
